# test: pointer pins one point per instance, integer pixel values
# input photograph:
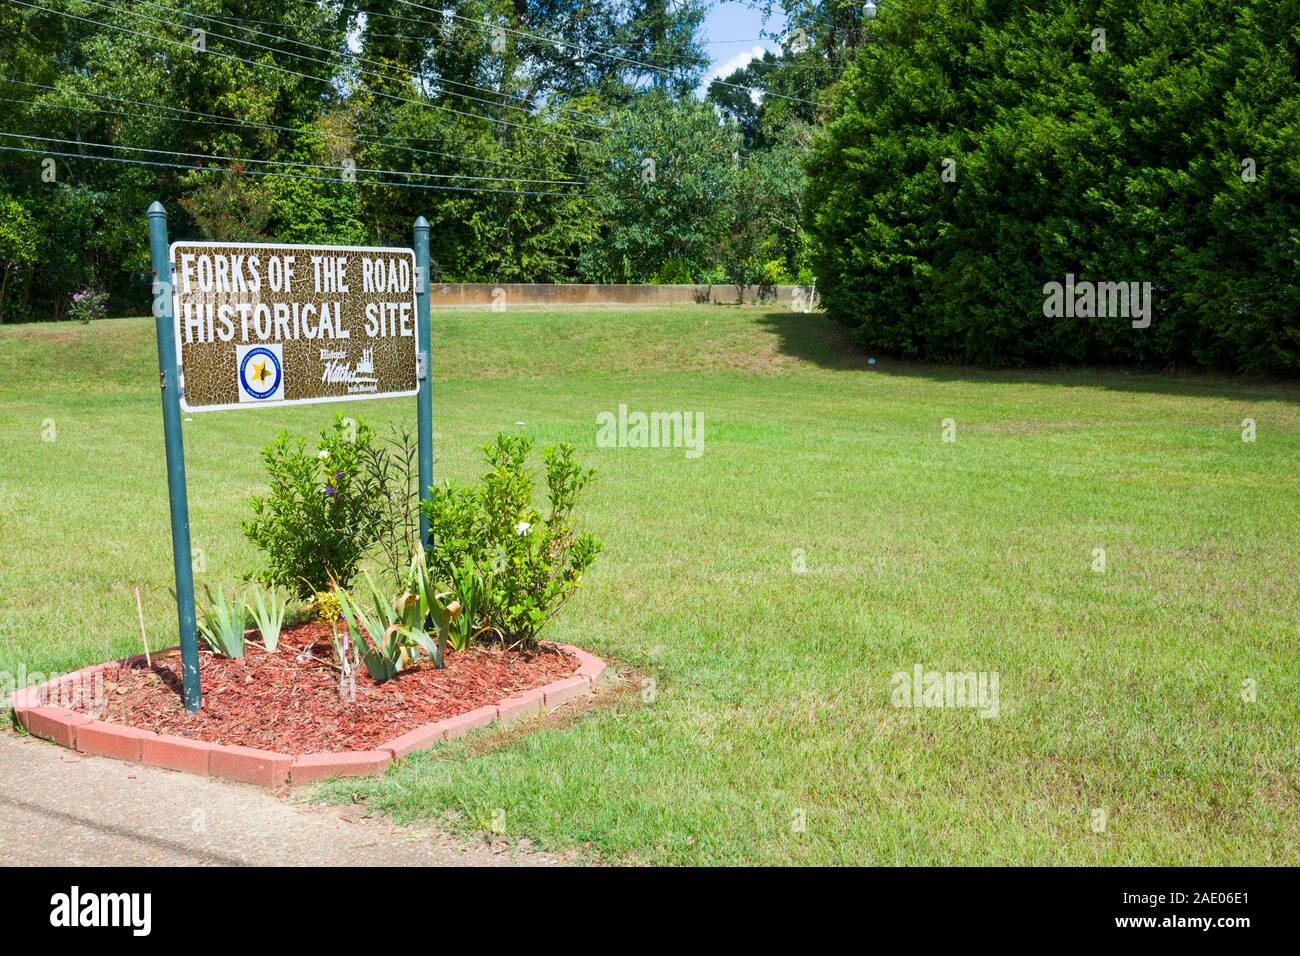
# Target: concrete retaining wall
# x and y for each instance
(522, 293)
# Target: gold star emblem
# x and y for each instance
(260, 374)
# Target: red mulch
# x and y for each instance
(288, 702)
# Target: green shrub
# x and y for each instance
(674, 272)
(1115, 165)
(320, 516)
(714, 275)
(525, 566)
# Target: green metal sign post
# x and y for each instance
(424, 401)
(169, 380)
(169, 374)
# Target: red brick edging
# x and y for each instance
(89, 736)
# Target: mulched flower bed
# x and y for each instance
(288, 702)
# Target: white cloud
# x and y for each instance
(737, 62)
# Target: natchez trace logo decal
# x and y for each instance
(261, 373)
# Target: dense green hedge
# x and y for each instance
(1117, 166)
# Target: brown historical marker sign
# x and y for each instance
(261, 324)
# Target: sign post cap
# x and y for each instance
(156, 209)
(421, 223)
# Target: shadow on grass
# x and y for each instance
(821, 341)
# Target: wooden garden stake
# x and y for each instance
(139, 610)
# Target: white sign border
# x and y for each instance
(176, 325)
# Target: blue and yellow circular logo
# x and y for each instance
(259, 372)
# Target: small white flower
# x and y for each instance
(522, 527)
(324, 453)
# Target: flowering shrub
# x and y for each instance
(320, 514)
(508, 566)
(88, 304)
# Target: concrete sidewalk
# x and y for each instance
(58, 807)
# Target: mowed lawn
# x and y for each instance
(767, 691)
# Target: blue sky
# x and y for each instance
(728, 22)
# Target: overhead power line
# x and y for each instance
(340, 52)
(581, 49)
(331, 64)
(238, 23)
(481, 25)
(254, 172)
(292, 163)
(218, 120)
(305, 76)
(396, 172)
